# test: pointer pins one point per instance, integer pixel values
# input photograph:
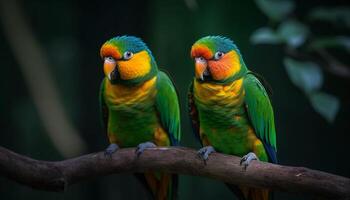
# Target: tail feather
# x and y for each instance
(160, 186)
(255, 193)
(248, 193)
(147, 188)
(173, 187)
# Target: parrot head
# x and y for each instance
(127, 60)
(217, 59)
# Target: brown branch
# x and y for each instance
(57, 176)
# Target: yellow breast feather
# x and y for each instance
(123, 94)
(223, 94)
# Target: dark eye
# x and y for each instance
(218, 55)
(127, 55)
(200, 59)
(109, 59)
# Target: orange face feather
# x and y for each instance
(110, 50)
(136, 67)
(225, 67)
(200, 50)
(221, 69)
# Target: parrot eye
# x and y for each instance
(200, 59)
(109, 59)
(218, 55)
(127, 55)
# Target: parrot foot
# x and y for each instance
(111, 149)
(204, 152)
(141, 147)
(247, 159)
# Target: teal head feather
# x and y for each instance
(127, 60)
(217, 59)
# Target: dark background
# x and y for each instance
(71, 33)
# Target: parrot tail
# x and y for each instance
(248, 193)
(160, 186)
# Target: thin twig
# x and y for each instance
(334, 65)
(323, 59)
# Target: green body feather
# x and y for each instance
(226, 125)
(135, 123)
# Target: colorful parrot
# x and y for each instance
(230, 108)
(139, 107)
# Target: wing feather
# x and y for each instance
(260, 113)
(167, 105)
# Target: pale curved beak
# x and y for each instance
(201, 68)
(109, 68)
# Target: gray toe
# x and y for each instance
(143, 146)
(204, 152)
(112, 148)
(247, 159)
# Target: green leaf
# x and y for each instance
(331, 42)
(275, 9)
(305, 75)
(265, 35)
(339, 15)
(326, 105)
(293, 32)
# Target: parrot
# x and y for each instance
(230, 108)
(139, 107)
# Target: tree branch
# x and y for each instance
(57, 176)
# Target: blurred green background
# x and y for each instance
(51, 71)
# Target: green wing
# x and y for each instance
(167, 105)
(260, 113)
(103, 106)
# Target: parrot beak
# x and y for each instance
(110, 68)
(201, 68)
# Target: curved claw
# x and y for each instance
(141, 147)
(112, 148)
(247, 159)
(204, 152)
